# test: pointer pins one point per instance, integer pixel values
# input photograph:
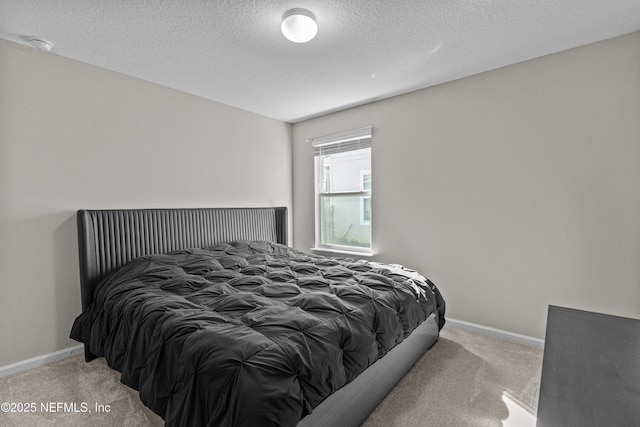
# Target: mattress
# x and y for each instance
(249, 333)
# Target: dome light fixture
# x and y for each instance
(299, 25)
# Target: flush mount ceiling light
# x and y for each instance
(299, 25)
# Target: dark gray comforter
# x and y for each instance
(248, 333)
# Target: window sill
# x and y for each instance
(343, 253)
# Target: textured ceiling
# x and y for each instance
(232, 51)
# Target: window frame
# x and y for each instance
(338, 143)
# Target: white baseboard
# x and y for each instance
(34, 362)
(499, 333)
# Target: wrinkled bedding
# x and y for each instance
(249, 333)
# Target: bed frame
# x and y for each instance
(108, 239)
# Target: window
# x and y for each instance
(365, 201)
(343, 190)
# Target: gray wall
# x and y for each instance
(75, 136)
(512, 189)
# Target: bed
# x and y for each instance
(216, 321)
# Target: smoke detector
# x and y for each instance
(41, 44)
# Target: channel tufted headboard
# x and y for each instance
(108, 239)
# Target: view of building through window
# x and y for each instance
(345, 198)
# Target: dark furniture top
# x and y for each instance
(591, 370)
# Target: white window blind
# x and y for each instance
(340, 142)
